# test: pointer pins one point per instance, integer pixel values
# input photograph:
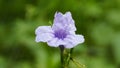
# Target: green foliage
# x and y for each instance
(97, 20)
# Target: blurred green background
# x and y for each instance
(97, 20)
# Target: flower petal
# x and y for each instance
(43, 29)
(68, 15)
(61, 42)
(44, 37)
(63, 22)
(69, 42)
(73, 40)
(70, 20)
(58, 14)
(44, 34)
(71, 27)
(53, 42)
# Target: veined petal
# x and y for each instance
(58, 19)
(53, 42)
(44, 37)
(61, 42)
(44, 33)
(68, 14)
(69, 17)
(64, 21)
(58, 14)
(43, 29)
(71, 27)
(73, 40)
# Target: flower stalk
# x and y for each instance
(66, 58)
(62, 55)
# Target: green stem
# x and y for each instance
(62, 55)
(71, 50)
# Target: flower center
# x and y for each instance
(60, 34)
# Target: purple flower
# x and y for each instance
(62, 32)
